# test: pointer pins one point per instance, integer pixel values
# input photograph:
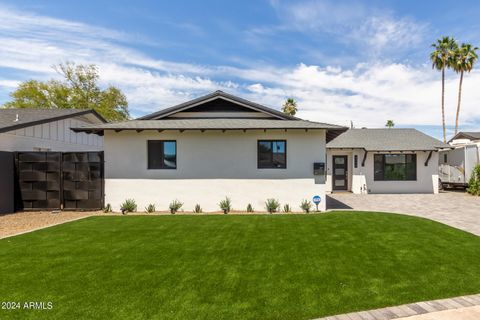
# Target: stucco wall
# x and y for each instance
(427, 176)
(210, 166)
(55, 136)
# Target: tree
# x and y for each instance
(442, 58)
(463, 61)
(290, 107)
(390, 124)
(79, 89)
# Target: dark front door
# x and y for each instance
(340, 180)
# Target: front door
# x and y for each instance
(340, 180)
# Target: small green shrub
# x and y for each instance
(286, 208)
(474, 182)
(128, 205)
(197, 209)
(306, 206)
(150, 208)
(174, 206)
(272, 205)
(225, 205)
(249, 208)
(108, 208)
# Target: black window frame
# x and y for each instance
(271, 166)
(355, 161)
(381, 175)
(162, 155)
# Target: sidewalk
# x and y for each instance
(461, 308)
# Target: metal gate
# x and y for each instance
(56, 180)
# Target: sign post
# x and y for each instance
(317, 200)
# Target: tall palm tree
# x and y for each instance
(442, 58)
(463, 61)
(290, 107)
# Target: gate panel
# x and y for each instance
(37, 180)
(83, 180)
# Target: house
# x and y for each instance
(383, 161)
(464, 137)
(38, 130)
(213, 147)
(456, 164)
(48, 130)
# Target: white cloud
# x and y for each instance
(351, 23)
(368, 93)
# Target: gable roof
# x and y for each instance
(471, 135)
(12, 119)
(213, 96)
(386, 140)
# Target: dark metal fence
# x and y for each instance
(56, 180)
(6, 182)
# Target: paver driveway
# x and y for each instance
(457, 209)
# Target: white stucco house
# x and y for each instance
(383, 161)
(213, 147)
(48, 130)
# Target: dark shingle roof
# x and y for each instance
(467, 135)
(208, 124)
(31, 117)
(386, 140)
(217, 94)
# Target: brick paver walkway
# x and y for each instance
(457, 209)
(411, 309)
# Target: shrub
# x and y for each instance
(474, 182)
(225, 205)
(286, 208)
(272, 205)
(108, 208)
(174, 206)
(150, 208)
(306, 206)
(128, 205)
(249, 208)
(197, 209)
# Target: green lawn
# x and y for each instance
(235, 267)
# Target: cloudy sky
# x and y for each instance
(343, 61)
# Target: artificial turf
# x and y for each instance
(235, 267)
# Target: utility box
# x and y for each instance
(319, 168)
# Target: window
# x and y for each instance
(355, 161)
(272, 154)
(395, 167)
(445, 158)
(162, 154)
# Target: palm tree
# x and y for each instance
(390, 124)
(463, 61)
(290, 107)
(442, 58)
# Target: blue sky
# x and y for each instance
(342, 60)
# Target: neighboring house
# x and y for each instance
(456, 164)
(213, 147)
(48, 130)
(383, 161)
(464, 137)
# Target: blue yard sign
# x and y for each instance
(316, 200)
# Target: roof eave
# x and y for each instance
(47, 120)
